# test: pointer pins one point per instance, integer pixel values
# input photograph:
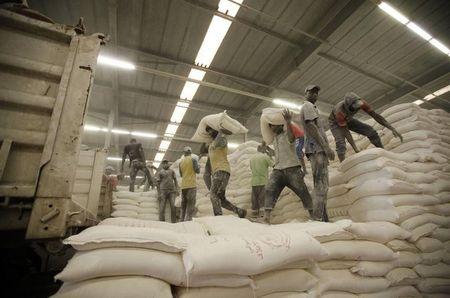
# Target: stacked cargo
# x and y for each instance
(142, 205)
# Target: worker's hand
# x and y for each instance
(287, 115)
(397, 135)
(329, 153)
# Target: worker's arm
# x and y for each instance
(204, 149)
(380, 119)
(312, 130)
(287, 115)
(176, 182)
(220, 141)
(196, 166)
(346, 133)
(141, 153)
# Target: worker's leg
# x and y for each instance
(162, 204)
(366, 130)
(225, 177)
(148, 178)
(217, 187)
(190, 206)
(173, 210)
(207, 175)
(255, 202)
(296, 183)
(339, 138)
(319, 166)
(133, 172)
(276, 184)
(183, 203)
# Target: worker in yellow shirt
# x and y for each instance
(220, 168)
(188, 169)
(259, 164)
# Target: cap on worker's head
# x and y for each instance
(133, 140)
(165, 160)
(312, 87)
(187, 149)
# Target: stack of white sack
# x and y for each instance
(409, 185)
(239, 190)
(142, 205)
(218, 122)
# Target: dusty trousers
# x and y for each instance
(319, 166)
(293, 179)
(164, 197)
(258, 197)
(218, 200)
(188, 198)
(207, 174)
(137, 165)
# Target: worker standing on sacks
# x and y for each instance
(220, 169)
(167, 191)
(341, 122)
(259, 165)
(189, 169)
(317, 150)
(135, 153)
(287, 171)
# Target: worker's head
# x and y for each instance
(312, 93)
(212, 132)
(352, 102)
(165, 164)
(277, 129)
(187, 151)
(132, 141)
(109, 170)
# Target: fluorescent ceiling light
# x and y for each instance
(393, 12)
(440, 46)
(286, 104)
(189, 90)
(422, 33)
(139, 177)
(104, 129)
(419, 102)
(196, 74)
(228, 7)
(120, 131)
(91, 128)
(114, 158)
(159, 156)
(164, 145)
(171, 129)
(429, 97)
(178, 114)
(442, 90)
(144, 134)
(183, 104)
(156, 164)
(115, 62)
(213, 39)
(232, 145)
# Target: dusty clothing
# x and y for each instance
(188, 170)
(188, 198)
(137, 165)
(134, 151)
(342, 112)
(291, 178)
(259, 164)
(164, 197)
(299, 144)
(258, 196)
(355, 126)
(285, 155)
(219, 184)
(207, 174)
(309, 112)
(319, 166)
(166, 179)
(217, 152)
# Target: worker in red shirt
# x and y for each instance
(299, 144)
(342, 122)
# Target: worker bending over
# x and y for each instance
(220, 169)
(188, 169)
(286, 171)
(259, 165)
(135, 153)
(341, 122)
(168, 190)
(317, 151)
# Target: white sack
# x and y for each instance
(438, 270)
(427, 244)
(401, 245)
(378, 231)
(216, 292)
(217, 122)
(402, 277)
(283, 280)
(124, 213)
(422, 231)
(433, 258)
(434, 285)
(358, 250)
(394, 292)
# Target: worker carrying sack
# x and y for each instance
(272, 116)
(217, 122)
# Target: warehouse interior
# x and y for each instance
(78, 225)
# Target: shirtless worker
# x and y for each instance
(168, 190)
(287, 171)
(317, 151)
(342, 122)
(188, 169)
(220, 169)
(259, 165)
(135, 153)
